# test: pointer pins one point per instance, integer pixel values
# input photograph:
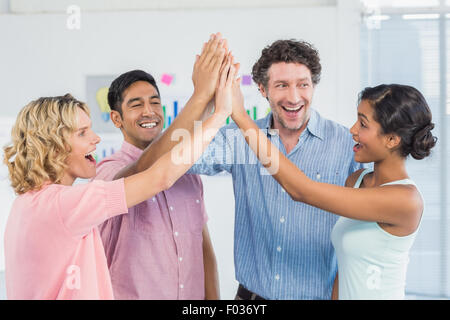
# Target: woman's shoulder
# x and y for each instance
(351, 179)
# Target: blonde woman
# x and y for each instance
(52, 245)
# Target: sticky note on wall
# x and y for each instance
(102, 99)
(246, 80)
(167, 78)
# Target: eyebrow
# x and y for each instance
(301, 79)
(140, 98)
(83, 128)
(363, 115)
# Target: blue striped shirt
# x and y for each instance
(282, 248)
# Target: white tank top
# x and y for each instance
(372, 263)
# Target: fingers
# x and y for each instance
(206, 47)
(231, 75)
(211, 48)
(217, 60)
(224, 72)
(224, 63)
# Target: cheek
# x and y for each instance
(307, 94)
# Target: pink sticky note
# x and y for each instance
(166, 79)
(246, 80)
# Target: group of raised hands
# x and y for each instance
(215, 78)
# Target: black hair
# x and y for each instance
(402, 110)
(289, 51)
(121, 83)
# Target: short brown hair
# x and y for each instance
(289, 51)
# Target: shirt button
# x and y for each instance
(171, 208)
(181, 286)
(180, 258)
(277, 277)
(176, 233)
(197, 201)
(282, 220)
(282, 190)
(153, 199)
(318, 176)
(279, 249)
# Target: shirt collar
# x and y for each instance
(314, 127)
(131, 150)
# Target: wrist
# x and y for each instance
(239, 115)
(201, 98)
(221, 116)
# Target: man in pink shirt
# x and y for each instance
(162, 248)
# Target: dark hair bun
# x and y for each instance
(422, 142)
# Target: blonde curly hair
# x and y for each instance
(39, 148)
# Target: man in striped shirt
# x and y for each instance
(282, 248)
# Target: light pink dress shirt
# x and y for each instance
(53, 249)
(155, 251)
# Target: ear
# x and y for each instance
(262, 90)
(116, 118)
(393, 141)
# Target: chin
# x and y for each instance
(363, 160)
(88, 175)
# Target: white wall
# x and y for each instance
(40, 56)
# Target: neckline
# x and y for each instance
(370, 170)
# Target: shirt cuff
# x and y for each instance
(116, 203)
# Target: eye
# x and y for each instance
(82, 133)
(281, 85)
(362, 124)
(304, 85)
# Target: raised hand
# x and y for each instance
(224, 91)
(207, 67)
(237, 96)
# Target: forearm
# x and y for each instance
(193, 111)
(173, 164)
(212, 291)
(283, 170)
(387, 204)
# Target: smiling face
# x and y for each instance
(81, 162)
(142, 116)
(371, 144)
(289, 92)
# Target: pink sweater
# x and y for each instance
(52, 245)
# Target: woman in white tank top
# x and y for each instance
(380, 209)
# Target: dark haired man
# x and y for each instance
(162, 248)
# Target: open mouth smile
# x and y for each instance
(148, 124)
(90, 156)
(357, 147)
(292, 110)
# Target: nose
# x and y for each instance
(148, 109)
(96, 139)
(353, 129)
(293, 95)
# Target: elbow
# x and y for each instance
(293, 191)
(166, 180)
(296, 196)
